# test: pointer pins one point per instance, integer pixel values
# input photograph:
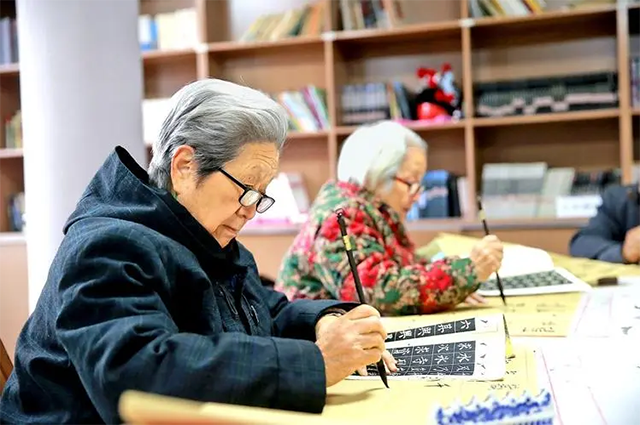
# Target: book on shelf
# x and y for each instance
(499, 8)
(168, 31)
(535, 190)
(307, 108)
(15, 212)
(444, 195)
(304, 21)
(634, 76)
(546, 95)
(370, 14)
(292, 202)
(8, 41)
(13, 131)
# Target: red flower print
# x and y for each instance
(330, 229)
(348, 290)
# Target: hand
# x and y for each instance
(631, 246)
(475, 299)
(487, 257)
(350, 342)
(391, 364)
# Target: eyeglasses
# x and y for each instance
(251, 196)
(414, 187)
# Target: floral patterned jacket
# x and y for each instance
(395, 280)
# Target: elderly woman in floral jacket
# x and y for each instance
(379, 173)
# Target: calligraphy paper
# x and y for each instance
(413, 401)
(468, 348)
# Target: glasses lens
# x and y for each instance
(249, 198)
(264, 204)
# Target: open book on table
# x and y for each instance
(468, 348)
(531, 271)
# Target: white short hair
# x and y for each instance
(217, 118)
(372, 155)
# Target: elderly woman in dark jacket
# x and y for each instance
(149, 289)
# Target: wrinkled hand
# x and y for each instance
(487, 256)
(631, 246)
(475, 299)
(350, 342)
(391, 364)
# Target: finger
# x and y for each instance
(362, 371)
(370, 325)
(389, 362)
(370, 341)
(479, 298)
(372, 355)
(361, 312)
(471, 301)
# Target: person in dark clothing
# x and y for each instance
(613, 234)
(150, 290)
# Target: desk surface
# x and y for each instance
(593, 375)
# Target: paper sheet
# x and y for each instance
(593, 381)
(538, 315)
(469, 348)
(611, 312)
(413, 402)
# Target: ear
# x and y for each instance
(183, 169)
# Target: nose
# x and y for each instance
(247, 212)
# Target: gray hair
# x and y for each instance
(216, 118)
(372, 155)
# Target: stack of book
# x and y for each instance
(305, 21)
(480, 8)
(545, 95)
(365, 103)
(168, 31)
(534, 190)
(307, 108)
(8, 41)
(380, 14)
(444, 195)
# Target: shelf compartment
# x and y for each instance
(543, 28)
(291, 45)
(9, 69)
(598, 114)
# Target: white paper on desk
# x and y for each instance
(519, 260)
(594, 381)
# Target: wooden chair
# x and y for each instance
(6, 366)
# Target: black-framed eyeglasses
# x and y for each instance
(251, 196)
(414, 187)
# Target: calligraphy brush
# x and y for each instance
(486, 232)
(356, 278)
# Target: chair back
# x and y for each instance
(6, 366)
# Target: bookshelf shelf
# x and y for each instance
(10, 153)
(417, 126)
(9, 69)
(547, 118)
(305, 135)
(547, 27)
(228, 48)
(154, 56)
(405, 34)
(635, 111)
